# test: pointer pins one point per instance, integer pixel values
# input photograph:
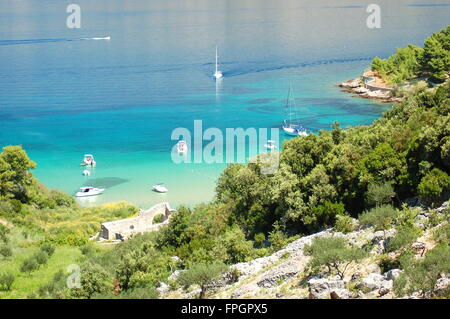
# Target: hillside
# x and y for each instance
(365, 204)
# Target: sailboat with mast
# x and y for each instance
(218, 74)
(290, 126)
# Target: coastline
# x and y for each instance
(362, 88)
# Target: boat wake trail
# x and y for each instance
(36, 41)
(241, 71)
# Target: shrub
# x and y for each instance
(259, 238)
(334, 253)
(387, 263)
(4, 231)
(41, 258)
(158, 218)
(6, 251)
(326, 214)
(441, 235)
(344, 224)
(378, 194)
(29, 265)
(404, 237)
(432, 185)
(6, 281)
(421, 275)
(48, 248)
(94, 280)
(380, 217)
(277, 237)
(202, 275)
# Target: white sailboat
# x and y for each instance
(290, 127)
(218, 74)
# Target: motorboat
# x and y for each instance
(89, 191)
(182, 147)
(218, 74)
(88, 160)
(160, 189)
(270, 145)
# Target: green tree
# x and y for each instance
(436, 56)
(94, 280)
(433, 185)
(202, 275)
(29, 265)
(19, 165)
(333, 253)
(378, 194)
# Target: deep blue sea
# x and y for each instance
(64, 94)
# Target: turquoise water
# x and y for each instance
(62, 96)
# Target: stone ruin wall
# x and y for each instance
(125, 228)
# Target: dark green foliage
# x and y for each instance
(48, 248)
(158, 218)
(432, 61)
(41, 258)
(436, 55)
(202, 275)
(387, 263)
(421, 275)
(6, 281)
(259, 239)
(333, 253)
(380, 217)
(143, 267)
(4, 231)
(5, 251)
(433, 185)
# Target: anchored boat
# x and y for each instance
(218, 74)
(292, 127)
(160, 189)
(89, 191)
(88, 160)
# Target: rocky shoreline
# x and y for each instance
(359, 89)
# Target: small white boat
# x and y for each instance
(86, 173)
(160, 189)
(218, 74)
(270, 145)
(88, 160)
(89, 191)
(182, 147)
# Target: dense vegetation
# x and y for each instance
(432, 61)
(323, 180)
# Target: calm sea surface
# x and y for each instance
(64, 94)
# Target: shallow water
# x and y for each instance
(63, 94)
